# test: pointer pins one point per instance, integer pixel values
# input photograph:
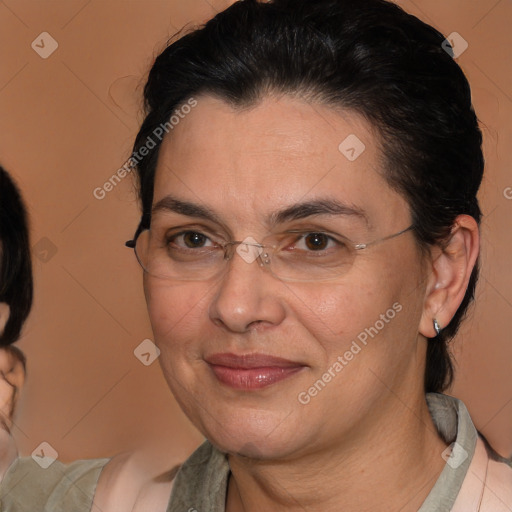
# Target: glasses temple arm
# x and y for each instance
(144, 224)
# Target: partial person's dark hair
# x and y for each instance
(16, 284)
(367, 56)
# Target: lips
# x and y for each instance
(251, 371)
(250, 361)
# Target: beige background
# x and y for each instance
(67, 123)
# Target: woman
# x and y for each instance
(15, 304)
(310, 239)
(25, 484)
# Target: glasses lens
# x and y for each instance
(315, 258)
(189, 256)
(193, 256)
(292, 256)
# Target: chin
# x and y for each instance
(256, 448)
(257, 435)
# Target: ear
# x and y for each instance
(450, 271)
(5, 311)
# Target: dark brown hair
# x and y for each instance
(16, 285)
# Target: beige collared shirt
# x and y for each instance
(471, 481)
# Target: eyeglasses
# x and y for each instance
(295, 255)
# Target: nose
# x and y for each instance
(246, 295)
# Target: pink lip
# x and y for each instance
(251, 371)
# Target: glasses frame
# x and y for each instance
(264, 261)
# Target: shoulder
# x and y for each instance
(56, 486)
(132, 481)
(497, 495)
(127, 484)
(487, 486)
(155, 494)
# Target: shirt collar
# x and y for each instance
(454, 425)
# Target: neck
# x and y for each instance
(391, 463)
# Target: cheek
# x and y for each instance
(375, 309)
(176, 311)
(336, 313)
(326, 311)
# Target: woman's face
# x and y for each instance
(351, 344)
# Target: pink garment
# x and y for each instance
(487, 486)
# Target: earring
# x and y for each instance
(437, 328)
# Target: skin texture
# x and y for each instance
(284, 455)
(12, 378)
(12, 374)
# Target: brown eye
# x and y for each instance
(193, 240)
(316, 241)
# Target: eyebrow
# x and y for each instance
(294, 212)
(169, 203)
(317, 207)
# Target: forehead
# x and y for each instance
(281, 151)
